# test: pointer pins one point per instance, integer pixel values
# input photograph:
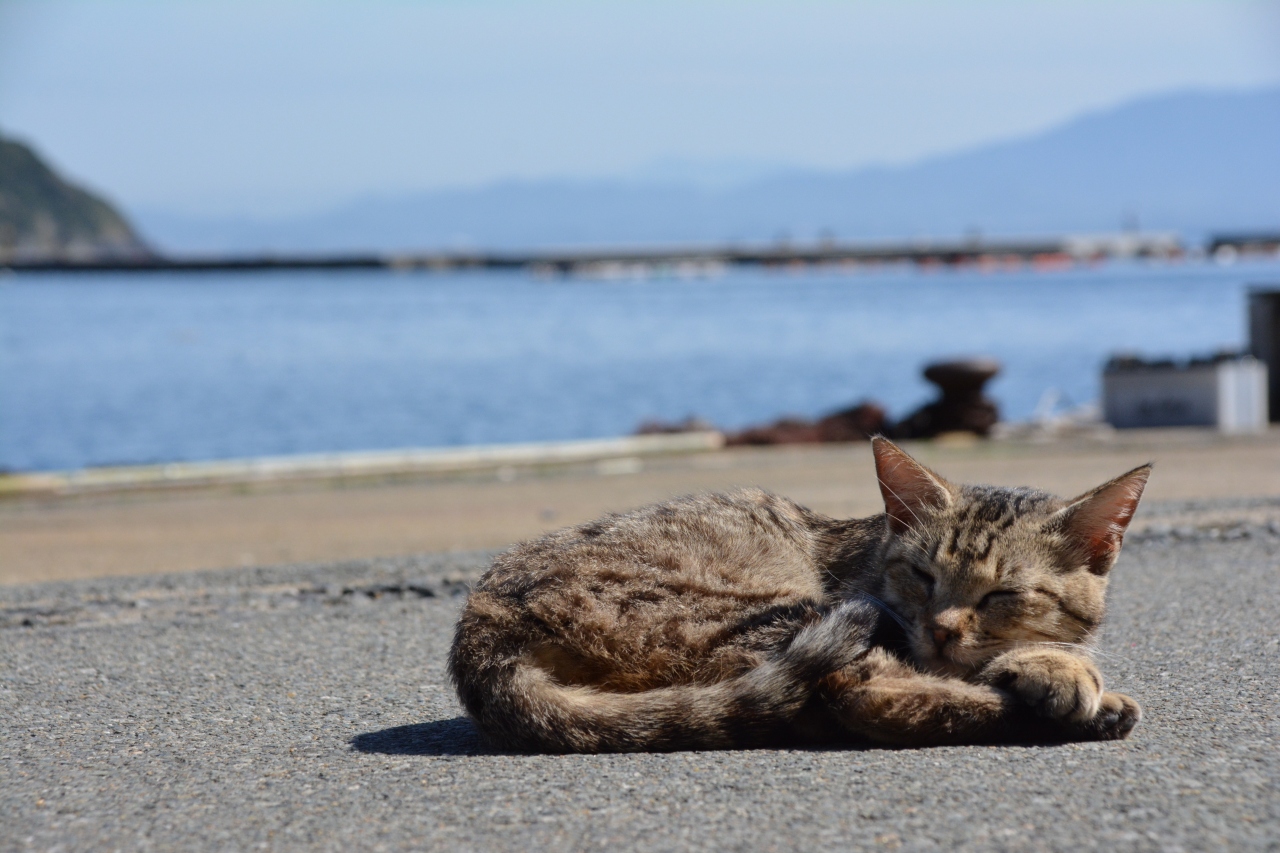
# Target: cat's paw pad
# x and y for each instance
(1059, 686)
(1116, 718)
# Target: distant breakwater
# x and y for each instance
(1050, 252)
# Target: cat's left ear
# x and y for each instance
(1096, 521)
(911, 491)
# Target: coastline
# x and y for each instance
(339, 468)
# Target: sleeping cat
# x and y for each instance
(962, 614)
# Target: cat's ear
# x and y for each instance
(1096, 521)
(911, 491)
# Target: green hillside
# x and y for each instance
(42, 217)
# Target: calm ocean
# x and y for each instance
(98, 370)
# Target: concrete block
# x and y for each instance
(1229, 393)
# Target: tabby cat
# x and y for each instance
(962, 614)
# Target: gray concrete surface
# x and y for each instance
(307, 708)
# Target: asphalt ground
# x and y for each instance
(307, 707)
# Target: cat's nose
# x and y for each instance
(941, 636)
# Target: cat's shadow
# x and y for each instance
(457, 736)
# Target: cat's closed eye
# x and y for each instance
(998, 596)
(924, 578)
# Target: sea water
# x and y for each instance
(139, 368)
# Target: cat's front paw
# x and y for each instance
(1115, 719)
(1060, 686)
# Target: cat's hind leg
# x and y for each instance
(519, 701)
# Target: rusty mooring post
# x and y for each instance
(962, 407)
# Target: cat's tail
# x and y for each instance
(519, 705)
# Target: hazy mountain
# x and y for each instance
(1191, 162)
(42, 217)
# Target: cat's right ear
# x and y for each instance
(911, 491)
(1096, 521)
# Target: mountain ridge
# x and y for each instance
(44, 217)
(1190, 162)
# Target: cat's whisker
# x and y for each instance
(833, 575)
(1087, 651)
(888, 611)
(1083, 647)
(1107, 655)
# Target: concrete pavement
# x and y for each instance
(270, 522)
(307, 707)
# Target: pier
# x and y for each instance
(979, 253)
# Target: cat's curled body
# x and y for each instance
(742, 619)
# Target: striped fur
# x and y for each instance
(520, 705)
(740, 619)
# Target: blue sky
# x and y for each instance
(269, 108)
